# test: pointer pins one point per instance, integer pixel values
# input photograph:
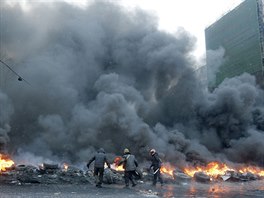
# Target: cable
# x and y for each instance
(1, 49)
(20, 78)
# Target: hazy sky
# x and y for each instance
(193, 15)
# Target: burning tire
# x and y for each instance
(181, 177)
(201, 177)
(108, 176)
(48, 168)
(20, 167)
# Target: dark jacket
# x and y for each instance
(99, 159)
(129, 162)
(155, 161)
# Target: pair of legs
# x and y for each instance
(157, 176)
(98, 174)
(129, 176)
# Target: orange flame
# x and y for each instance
(5, 162)
(191, 170)
(167, 169)
(212, 169)
(253, 170)
(115, 166)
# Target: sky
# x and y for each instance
(192, 15)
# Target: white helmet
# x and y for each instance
(152, 151)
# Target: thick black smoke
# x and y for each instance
(102, 76)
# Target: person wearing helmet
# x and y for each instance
(155, 165)
(130, 164)
(99, 161)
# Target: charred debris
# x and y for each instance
(66, 174)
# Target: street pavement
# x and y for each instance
(253, 189)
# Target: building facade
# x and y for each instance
(240, 34)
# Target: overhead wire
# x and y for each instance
(20, 78)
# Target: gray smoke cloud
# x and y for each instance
(5, 114)
(102, 76)
(214, 59)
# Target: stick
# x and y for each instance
(156, 171)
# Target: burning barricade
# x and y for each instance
(5, 163)
(52, 173)
(115, 175)
(213, 171)
(6, 168)
(45, 173)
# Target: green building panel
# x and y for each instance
(238, 32)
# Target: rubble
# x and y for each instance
(113, 177)
(23, 174)
(149, 193)
(181, 177)
(201, 177)
(48, 168)
(233, 176)
(54, 174)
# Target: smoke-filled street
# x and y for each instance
(73, 80)
(106, 77)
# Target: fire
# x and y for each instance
(191, 170)
(216, 168)
(167, 169)
(115, 164)
(212, 169)
(65, 166)
(117, 168)
(41, 166)
(5, 162)
(253, 170)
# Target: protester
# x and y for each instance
(99, 161)
(156, 165)
(129, 164)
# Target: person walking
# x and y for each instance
(156, 165)
(99, 161)
(129, 164)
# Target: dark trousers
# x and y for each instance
(98, 174)
(157, 176)
(129, 176)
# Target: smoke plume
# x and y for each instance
(103, 76)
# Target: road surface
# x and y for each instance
(192, 189)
